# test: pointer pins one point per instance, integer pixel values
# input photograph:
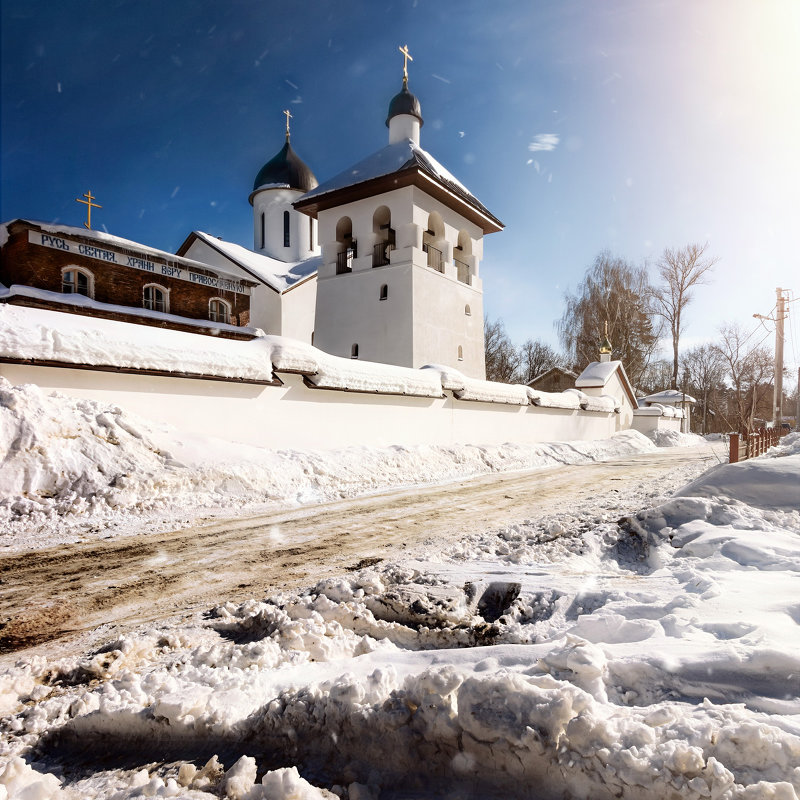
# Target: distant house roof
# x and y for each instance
(598, 373)
(669, 397)
(278, 275)
(551, 373)
(394, 166)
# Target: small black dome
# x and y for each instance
(404, 103)
(286, 168)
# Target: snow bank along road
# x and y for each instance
(565, 657)
(73, 588)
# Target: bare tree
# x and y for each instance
(748, 371)
(535, 358)
(656, 376)
(620, 294)
(680, 270)
(706, 370)
(502, 359)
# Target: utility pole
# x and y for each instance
(797, 410)
(777, 397)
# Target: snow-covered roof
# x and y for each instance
(114, 241)
(553, 399)
(403, 156)
(604, 402)
(669, 397)
(465, 388)
(659, 410)
(599, 373)
(52, 336)
(278, 275)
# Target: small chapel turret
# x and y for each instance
(278, 230)
(405, 114)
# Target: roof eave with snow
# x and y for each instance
(240, 256)
(393, 167)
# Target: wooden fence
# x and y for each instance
(753, 443)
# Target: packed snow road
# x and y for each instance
(116, 584)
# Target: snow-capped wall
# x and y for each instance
(322, 401)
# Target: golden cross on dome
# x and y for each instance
(406, 59)
(288, 117)
(89, 206)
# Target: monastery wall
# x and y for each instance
(295, 415)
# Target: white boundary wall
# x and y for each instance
(646, 424)
(296, 416)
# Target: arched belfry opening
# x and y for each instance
(346, 247)
(433, 241)
(461, 256)
(384, 236)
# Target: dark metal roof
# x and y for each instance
(287, 169)
(404, 103)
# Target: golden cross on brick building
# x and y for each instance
(288, 117)
(89, 206)
(406, 59)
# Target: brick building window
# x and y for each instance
(219, 310)
(76, 280)
(155, 297)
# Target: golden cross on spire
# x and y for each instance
(89, 206)
(406, 59)
(288, 117)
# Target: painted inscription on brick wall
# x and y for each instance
(141, 262)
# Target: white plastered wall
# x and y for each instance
(294, 415)
(272, 203)
(298, 310)
(646, 424)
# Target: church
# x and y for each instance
(379, 263)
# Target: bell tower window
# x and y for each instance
(286, 238)
(263, 231)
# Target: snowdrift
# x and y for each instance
(653, 656)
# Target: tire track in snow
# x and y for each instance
(73, 589)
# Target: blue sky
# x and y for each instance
(628, 125)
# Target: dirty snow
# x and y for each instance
(649, 652)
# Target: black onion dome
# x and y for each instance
(286, 168)
(404, 103)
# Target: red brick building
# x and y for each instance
(90, 272)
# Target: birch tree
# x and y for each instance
(620, 294)
(680, 271)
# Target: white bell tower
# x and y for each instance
(402, 242)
